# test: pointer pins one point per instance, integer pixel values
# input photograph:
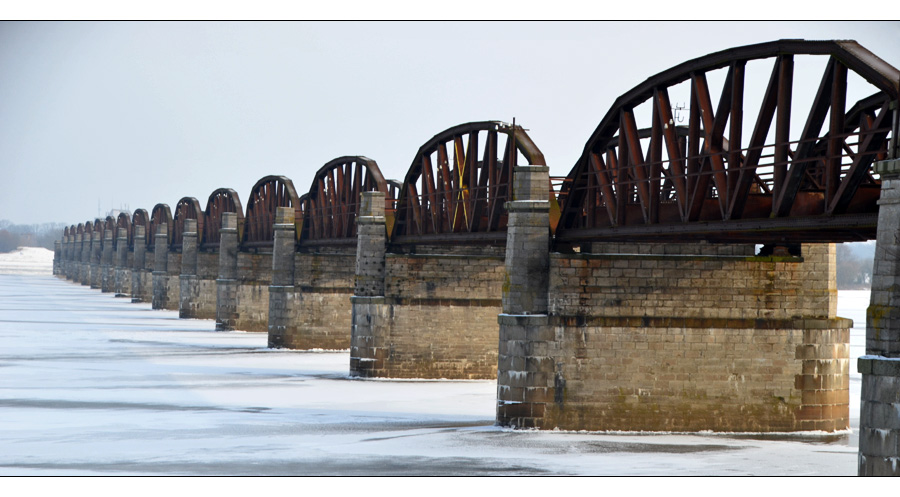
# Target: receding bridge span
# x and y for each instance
(627, 295)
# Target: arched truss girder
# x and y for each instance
(186, 208)
(332, 204)
(658, 181)
(140, 218)
(458, 184)
(160, 214)
(220, 201)
(123, 221)
(268, 194)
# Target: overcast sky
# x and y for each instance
(111, 115)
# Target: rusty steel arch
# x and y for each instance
(123, 220)
(79, 230)
(664, 182)
(220, 200)
(446, 203)
(266, 195)
(186, 208)
(161, 213)
(331, 206)
(140, 218)
(88, 230)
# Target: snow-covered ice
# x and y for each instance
(27, 260)
(95, 385)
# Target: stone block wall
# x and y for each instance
(879, 431)
(144, 279)
(695, 286)
(123, 276)
(680, 343)
(254, 275)
(169, 287)
(317, 307)
(437, 319)
(204, 303)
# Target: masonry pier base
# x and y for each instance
(879, 418)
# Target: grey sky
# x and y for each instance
(140, 113)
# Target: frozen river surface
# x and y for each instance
(91, 384)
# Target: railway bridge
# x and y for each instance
(627, 295)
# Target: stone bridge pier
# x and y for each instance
(189, 281)
(107, 271)
(227, 283)
(879, 419)
(282, 303)
(96, 248)
(122, 274)
(667, 337)
(139, 274)
(368, 347)
(84, 275)
(160, 299)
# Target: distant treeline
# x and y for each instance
(13, 236)
(854, 268)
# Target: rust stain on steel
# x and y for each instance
(186, 208)
(161, 214)
(664, 182)
(140, 218)
(330, 208)
(468, 195)
(220, 201)
(266, 195)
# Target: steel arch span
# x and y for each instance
(716, 178)
(331, 206)
(464, 200)
(220, 201)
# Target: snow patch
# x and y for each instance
(27, 260)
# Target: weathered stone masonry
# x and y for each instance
(139, 273)
(96, 241)
(879, 423)
(189, 282)
(436, 314)
(309, 299)
(242, 291)
(680, 338)
(107, 271)
(122, 268)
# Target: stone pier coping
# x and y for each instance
(523, 319)
(370, 220)
(679, 257)
(878, 365)
(677, 322)
(889, 167)
(355, 299)
(426, 302)
(541, 206)
(446, 256)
